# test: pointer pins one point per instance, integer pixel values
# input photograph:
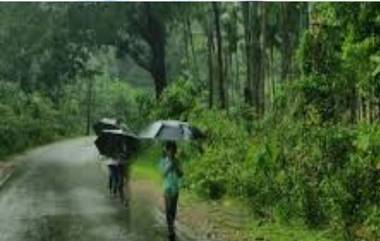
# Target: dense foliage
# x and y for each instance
(29, 119)
(287, 93)
(291, 166)
(308, 158)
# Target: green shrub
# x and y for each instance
(322, 174)
(176, 101)
(300, 162)
(28, 119)
(216, 170)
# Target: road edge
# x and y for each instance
(4, 177)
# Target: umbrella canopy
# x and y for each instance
(116, 141)
(171, 130)
(105, 124)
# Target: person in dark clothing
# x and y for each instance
(123, 185)
(113, 180)
(123, 169)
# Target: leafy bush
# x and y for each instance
(298, 162)
(31, 118)
(26, 119)
(216, 170)
(322, 174)
(116, 98)
(176, 101)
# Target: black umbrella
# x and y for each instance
(116, 141)
(171, 130)
(105, 124)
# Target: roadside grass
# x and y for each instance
(145, 165)
(282, 232)
(227, 219)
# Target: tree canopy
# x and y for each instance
(288, 94)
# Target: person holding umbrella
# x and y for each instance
(172, 174)
(124, 171)
(118, 145)
(114, 177)
(110, 144)
(171, 131)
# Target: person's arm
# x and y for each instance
(166, 166)
(178, 168)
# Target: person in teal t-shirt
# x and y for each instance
(172, 174)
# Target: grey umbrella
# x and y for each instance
(171, 130)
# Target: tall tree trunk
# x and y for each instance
(272, 75)
(310, 7)
(158, 68)
(364, 109)
(353, 105)
(156, 38)
(210, 54)
(227, 74)
(246, 10)
(222, 95)
(89, 105)
(237, 76)
(185, 40)
(256, 60)
(256, 66)
(230, 82)
(269, 85)
(286, 47)
(192, 48)
(263, 64)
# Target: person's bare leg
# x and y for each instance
(110, 181)
(121, 186)
(173, 213)
(127, 191)
(170, 201)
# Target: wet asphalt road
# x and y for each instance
(59, 194)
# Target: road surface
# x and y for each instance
(59, 193)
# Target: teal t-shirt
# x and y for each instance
(172, 180)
